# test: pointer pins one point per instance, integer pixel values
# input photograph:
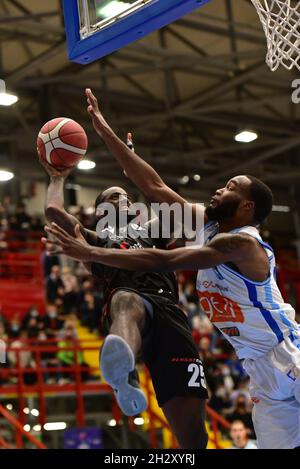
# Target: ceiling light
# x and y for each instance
(139, 421)
(37, 428)
(246, 136)
(112, 423)
(6, 99)
(197, 177)
(281, 208)
(85, 165)
(35, 412)
(27, 428)
(26, 410)
(6, 175)
(184, 180)
(9, 407)
(113, 8)
(51, 426)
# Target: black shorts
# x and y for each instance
(169, 351)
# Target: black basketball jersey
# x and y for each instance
(161, 283)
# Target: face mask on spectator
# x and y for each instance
(15, 327)
(241, 405)
(34, 313)
(225, 371)
(221, 392)
(52, 314)
(42, 336)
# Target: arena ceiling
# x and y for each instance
(183, 91)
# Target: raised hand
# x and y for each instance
(98, 120)
(75, 247)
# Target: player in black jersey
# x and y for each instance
(143, 318)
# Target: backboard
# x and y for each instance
(96, 28)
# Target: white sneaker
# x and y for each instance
(117, 366)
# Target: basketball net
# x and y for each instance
(281, 23)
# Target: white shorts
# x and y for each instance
(275, 392)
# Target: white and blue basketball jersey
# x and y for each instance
(252, 315)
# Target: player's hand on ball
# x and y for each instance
(75, 247)
(53, 172)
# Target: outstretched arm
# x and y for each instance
(224, 248)
(141, 173)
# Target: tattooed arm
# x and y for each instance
(237, 248)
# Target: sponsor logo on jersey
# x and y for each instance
(219, 308)
(186, 360)
(230, 331)
(255, 400)
(207, 284)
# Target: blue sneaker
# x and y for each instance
(117, 365)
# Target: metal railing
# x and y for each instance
(78, 387)
(19, 432)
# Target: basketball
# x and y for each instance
(62, 143)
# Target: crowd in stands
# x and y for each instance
(66, 302)
(14, 217)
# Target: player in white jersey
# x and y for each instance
(236, 284)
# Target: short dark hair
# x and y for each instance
(99, 200)
(262, 196)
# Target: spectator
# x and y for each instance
(23, 358)
(8, 206)
(33, 328)
(227, 378)
(48, 357)
(202, 324)
(236, 369)
(15, 326)
(242, 412)
(3, 354)
(242, 389)
(32, 313)
(220, 399)
(52, 321)
(204, 348)
(67, 357)
(87, 287)
(20, 220)
(48, 262)
(239, 436)
(3, 333)
(90, 311)
(36, 224)
(54, 284)
(70, 290)
(82, 274)
(190, 293)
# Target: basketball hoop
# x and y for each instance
(281, 23)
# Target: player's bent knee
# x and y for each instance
(127, 306)
(124, 300)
